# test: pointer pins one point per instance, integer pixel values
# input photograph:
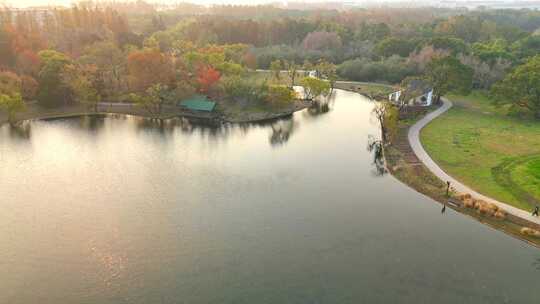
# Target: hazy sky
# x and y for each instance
(23, 3)
(67, 2)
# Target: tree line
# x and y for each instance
(137, 52)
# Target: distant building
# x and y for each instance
(198, 103)
(417, 93)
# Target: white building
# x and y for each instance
(417, 92)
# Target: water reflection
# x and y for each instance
(92, 123)
(160, 126)
(21, 130)
(282, 131)
(375, 146)
(321, 106)
(281, 128)
(536, 264)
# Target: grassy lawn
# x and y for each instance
(492, 152)
(526, 176)
(378, 91)
(284, 79)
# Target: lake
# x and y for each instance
(119, 209)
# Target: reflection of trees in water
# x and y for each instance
(211, 131)
(536, 264)
(375, 146)
(92, 123)
(214, 132)
(322, 105)
(282, 131)
(161, 126)
(202, 128)
(20, 130)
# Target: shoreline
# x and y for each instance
(36, 112)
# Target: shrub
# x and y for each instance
(530, 232)
(280, 94)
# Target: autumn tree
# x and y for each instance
(448, 74)
(83, 83)
(421, 58)
(322, 41)
(207, 77)
(521, 87)
(7, 54)
(463, 27)
(149, 67)
(28, 63)
(110, 63)
(52, 90)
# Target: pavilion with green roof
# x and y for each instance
(198, 103)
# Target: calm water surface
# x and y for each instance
(122, 210)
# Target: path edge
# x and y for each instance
(413, 136)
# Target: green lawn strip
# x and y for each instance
(369, 89)
(262, 76)
(526, 177)
(474, 137)
(512, 175)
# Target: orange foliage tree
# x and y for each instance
(207, 77)
(149, 67)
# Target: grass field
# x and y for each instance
(488, 150)
(375, 90)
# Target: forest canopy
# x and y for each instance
(115, 51)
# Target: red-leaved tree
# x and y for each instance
(207, 77)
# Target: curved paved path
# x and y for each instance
(414, 141)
